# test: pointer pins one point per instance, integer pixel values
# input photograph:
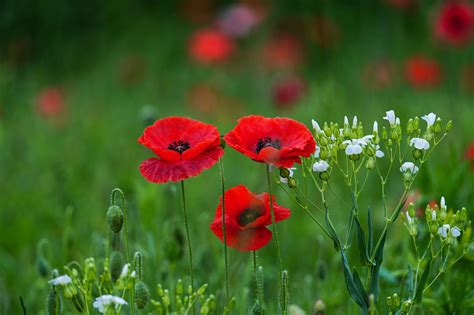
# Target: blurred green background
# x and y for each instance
(79, 81)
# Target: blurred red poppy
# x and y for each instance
(469, 154)
(378, 74)
(422, 72)
(282, 51)
(50, 102)
(247, 216)
(277, 141)
(288, 91)
(185, 147)
(238, 20)
(455, 22)
(209, 46)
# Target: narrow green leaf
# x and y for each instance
(350, 230)
(363, 252)
(410, 282)
(370, 232)
(378, 259)
(332, 231)
(395, 214)
(360, 287)
(421, 285)
(351, 287)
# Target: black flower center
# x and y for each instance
(179, 146)
(267, 142)
(248, 216)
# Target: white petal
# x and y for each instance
(443, 203)
(354, 122)
(390, 117)
(433, 215)
(320, 166)
(316, 126)
(379, 154)
(455, 231)
(376, 126)
(430, 119)
(346, 120)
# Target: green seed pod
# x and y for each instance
(53, 302)
(179, 287)
(90, 270)
(115, 218)
(160, 291)
(202, 289)
(292, 183)
(43, 266)
(138, 264)
(142, 294)
(284, 172)
(116, 264)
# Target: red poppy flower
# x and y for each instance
(282, 51)
(277, 141)
(210, 46)
(469, 155)
(288, 91)
(378, 74)
(455, 23)
(185, 147)
(246, 218)
(422, 72)
(50, 102)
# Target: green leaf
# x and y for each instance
(332, 231)
(395, 214)
(351, 286)
(375, 270)
(370, 241)
(410, 281)
(421, 285)
(363, 252)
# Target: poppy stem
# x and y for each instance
(277, 241)
(258, 281)
(221, 168)
(188, 238)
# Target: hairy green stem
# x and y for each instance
(188, 237)
(221, 167)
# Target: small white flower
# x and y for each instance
(365, 139)
(284, 180)
(378, 152)
(430, 119)
(61, 280)
(446, 229)
(443, 204)
(125, 269)
(390, 117)
(316, 126)
(346, 121)
(320, 166)
(354, 122)
(103, 301)
(317, 151)
(420, 144)
(397, 121)
(409, 218)
(376, 127)
(133, 274)
(455, 232)
(354, 146)
(409, 167)
(433, 215)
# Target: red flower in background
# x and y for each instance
(277, 141)
(238, 20)
(469, 154)
(455, 22)
(288, 91)
(50, 102)
(185, 147)
(246, 218)
(378, 74)
(422, 72)
(283, 51)
(210, 46)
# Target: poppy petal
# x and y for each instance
(242, 240)
(160, 171)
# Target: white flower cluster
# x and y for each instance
(104, 301)
(61, 280)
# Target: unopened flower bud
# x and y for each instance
(115, 218)
(284, 172)
(327, 130)
(394, 136)
(410, 126)
(437, 126)
(384, 134)
(222, 144)
(69, 291)
(449, 125)
(370, 163)
(319, 308)
(416, 123)
(116, 264)
(159, 290)
(417, 154)
(411, 210)
(166, 298)
(395, 300)
(292, 183)
(323, 154)
(142, 294)
(90, 270)
(43, 266)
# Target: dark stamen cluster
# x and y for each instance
(179, 146)
(267, 142)
(248, 216)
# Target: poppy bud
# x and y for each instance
(138, 264)
(115, 218)
(284, 172)
(319, 308)
(292, 183)
(53, 302)
(417, 154)
(116, 264)
(411, 210)
(43, 266)
(142, 294)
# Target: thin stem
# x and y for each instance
(221, 167)
(277, 241)
(190, 250)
